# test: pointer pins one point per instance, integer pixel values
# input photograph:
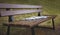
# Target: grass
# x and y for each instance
(50, 7)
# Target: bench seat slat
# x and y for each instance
(2, 5)
(26, 23)
(31, 23)
(7, 13)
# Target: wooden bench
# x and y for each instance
(23, 23)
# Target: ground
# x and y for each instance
(38, 31)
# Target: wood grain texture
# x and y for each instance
(7, 13)
(2, 5)
(31, 23)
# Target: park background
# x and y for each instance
(50, 7)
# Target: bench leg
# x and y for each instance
(8, 30)
(53, 24)
(32, 30)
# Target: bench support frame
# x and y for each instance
(53, 24)
(32, 30)
(10, 20)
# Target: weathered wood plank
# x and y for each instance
(7, 13)
(2, 5)
(31, 23)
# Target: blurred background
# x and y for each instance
(50, 7)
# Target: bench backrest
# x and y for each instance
(8, 12)
(2, 5)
